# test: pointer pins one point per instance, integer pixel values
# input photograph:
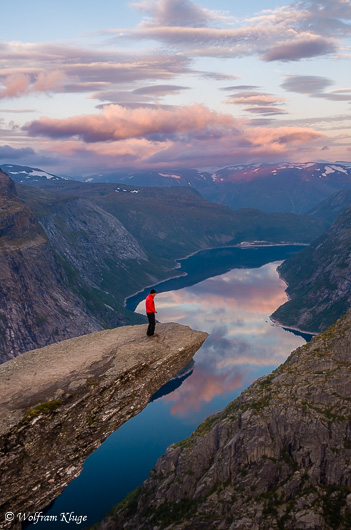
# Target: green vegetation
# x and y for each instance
(128, 505)
(43, 408)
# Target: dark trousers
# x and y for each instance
(152, 323)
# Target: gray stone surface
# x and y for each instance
(59, 403)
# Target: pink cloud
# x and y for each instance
(254, 98)
(118, 123)
(19, 84)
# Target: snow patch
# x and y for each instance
(341, 169)
(169, 175)
(327, 171)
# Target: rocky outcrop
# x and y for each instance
(59, 403)
(279, 456)
(319, 280)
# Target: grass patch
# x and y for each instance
(43, 408)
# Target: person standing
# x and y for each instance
(150, 312)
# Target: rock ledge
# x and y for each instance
(59, 403)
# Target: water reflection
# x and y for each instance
(234, 309)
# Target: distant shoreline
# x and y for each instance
(244, 245)
(280, 325)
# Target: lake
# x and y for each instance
(229, 293)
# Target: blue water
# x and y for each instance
(229, 293)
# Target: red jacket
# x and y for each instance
(150, 304)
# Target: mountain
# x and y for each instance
(291, 188)
(70, 257)
(277, 457)
(319, 280)
(294, 188)
(36, 306)
(332, 206)
(173, 222)
(31, 176)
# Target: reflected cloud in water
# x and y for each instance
(234, 309)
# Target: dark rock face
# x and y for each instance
(277, 457)
(36, 306)
(59, 403)
(319, 280)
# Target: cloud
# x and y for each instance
(175, 13)
(17, 111)
(52, 68)
(326, 17)
(302, 48)
(18, 84)
(118, 123)
(241, 144)
(315, 86)
(160, 90)
(240, 87)
(143, 96)
(254, 98)
(154, 137)
(10, 153)
(306, 84)
(287, 33)
(265, 110)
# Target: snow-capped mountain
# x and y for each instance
(29, 175)
(281, 187)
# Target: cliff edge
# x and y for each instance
(59, 403)
(279, 456)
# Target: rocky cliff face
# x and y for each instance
(279, 456)
(319, 280)
(36, 306)
(59, 403)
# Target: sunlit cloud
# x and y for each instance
(118, 123)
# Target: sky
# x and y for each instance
(88, 86)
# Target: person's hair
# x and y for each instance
(153, 291)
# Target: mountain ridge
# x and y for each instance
(279, 187)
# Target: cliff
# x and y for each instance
(59, 403)
(36, 305)
(319, 280)
(277, 457)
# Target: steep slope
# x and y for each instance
(173, 222)
(319, 280)
(36, 306)
(332, 207)
(277, 457)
